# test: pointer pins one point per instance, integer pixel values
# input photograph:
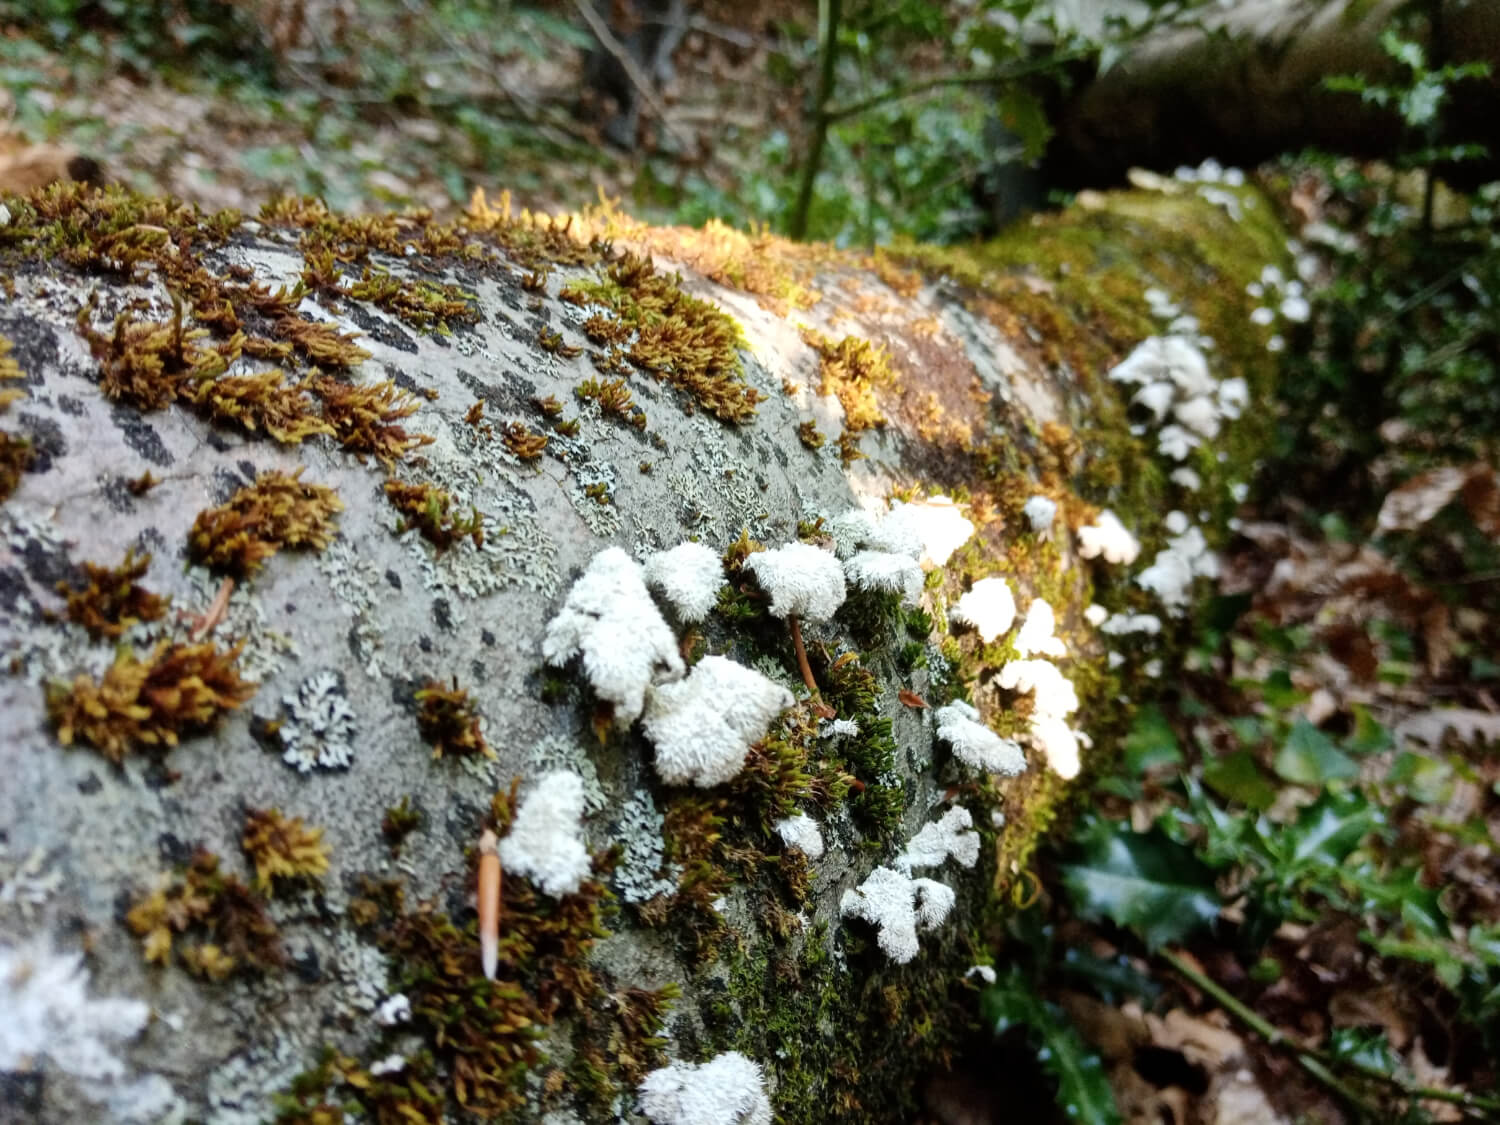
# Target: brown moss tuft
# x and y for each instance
(399, 822)
(614, 398)
(551, 341)
(149, 363)
(277, 511)
(522, 441)
(261, 402)
(16, 453)
(810, 435)
(430, 510)
(282, 848)
(227, 918)
(113, 600)
(364, 418)
(449, 721)
(148, 704)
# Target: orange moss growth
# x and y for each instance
(852, 369)
(277, 511)
(178, 689)
(282, 848)
(260, 402)
(522, 441)
(113, 600)
(228, 917)
(16, 454)
(687, 342)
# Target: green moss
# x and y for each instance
(400, 821)
(685, 341)
(430, 510)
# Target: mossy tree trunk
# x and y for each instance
(367, 458)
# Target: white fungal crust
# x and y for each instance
(1108, 537)
(975, 744)
(935, 523)
(801, 831)
(989, 607)
(610, 621)
(951, 835)
(729, 1089)
(803, 580)
(1059, 743)
(886, 573)
(1052, 693)
(545, 842)
(702, 726)
(1036, 633)
(1040, 512)
(689, 577)
(895, 904)
(1185, 557)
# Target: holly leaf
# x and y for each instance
(1140, 880)
(1236, 777)
(1309, 757)
(1150, 743)
(1083, 1091)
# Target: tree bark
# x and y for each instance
(349, 643)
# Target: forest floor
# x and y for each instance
(1330, 737)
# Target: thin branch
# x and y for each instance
(1316, 1062)
(829, 12)
(998, 76)
(633, 71)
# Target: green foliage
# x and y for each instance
(1144, 881)
(1083, 1091)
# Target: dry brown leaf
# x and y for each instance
(1203, 1043)
(1424, 496)
(1431, 727)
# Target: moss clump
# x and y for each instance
(150, 363)
(688, 342)
(277, 511)
(399, 822)
(325, 1094)
(870, 755)
(552, 342)
(530, 239)
(282, 848)
(613, 398)
(364, 418)
(264, 402)
(450, 722)
(16, 453)
(852, 369)
(228, 921)
(114, 599)
(421, 304)
(810, 436)
(148, 704)
(522, 441)
(430, 510)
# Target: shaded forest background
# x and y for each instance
(1291, 873)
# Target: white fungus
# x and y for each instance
(1095, 615)
(1036, 634)
(1052, 693)
(801, 831)
(975, 744)
(952, 834)
(896, 904)
(936, 522)
(610, 621)
(729, 1089)
(1109, 538)
(1040, 511)
(803, 580)
(887, 573)
(1123, 623)
(689, 577)
(393, 1010)
(989, 607)
(1186, 478)
(1060, 745)
(702, 726)
(545, 842)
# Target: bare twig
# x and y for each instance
(632, 69)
